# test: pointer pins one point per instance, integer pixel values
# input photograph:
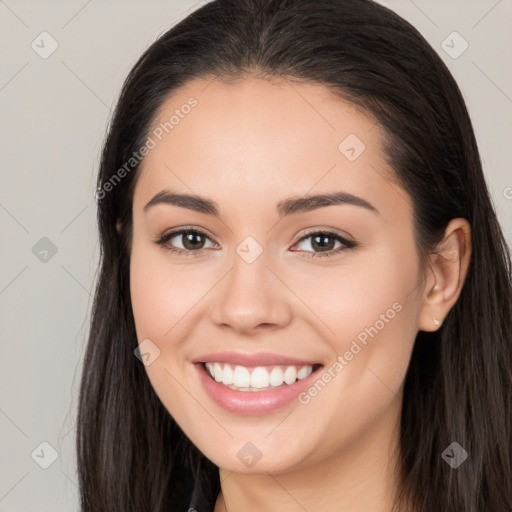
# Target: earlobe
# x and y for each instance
(449, 265)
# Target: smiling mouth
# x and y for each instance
(258, 378)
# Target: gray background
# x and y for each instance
(54, 113)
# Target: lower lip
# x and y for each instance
(253, 402)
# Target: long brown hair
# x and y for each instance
(132, 456)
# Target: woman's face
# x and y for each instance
(259, 284)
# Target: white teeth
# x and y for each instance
(276, 377)
(290, 375)
(303, 373)
(227, 375)
(217, 372)
(241, 377)
(261, 377)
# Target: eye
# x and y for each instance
(191, 240)
(324, 242)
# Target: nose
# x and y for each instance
(251, 298)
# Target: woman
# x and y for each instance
(305, 299)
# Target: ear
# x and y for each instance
(118, 226)
(449, 266)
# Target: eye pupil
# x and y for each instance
(189, 239)
(323, 244)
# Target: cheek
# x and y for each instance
(369, 315)
(373, 315)
(161, 293)
(160, 297)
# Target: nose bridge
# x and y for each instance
(251, 294)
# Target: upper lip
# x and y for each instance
(245, 359)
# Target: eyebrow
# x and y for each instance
(290, 206)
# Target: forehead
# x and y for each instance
(260, 137)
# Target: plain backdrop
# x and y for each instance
(54, 109)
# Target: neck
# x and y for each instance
(359, 476)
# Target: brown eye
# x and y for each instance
(192, 240)
(184, 241)
(323, 243)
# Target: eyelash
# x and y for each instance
(162, 242)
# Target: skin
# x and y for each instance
(248, 146)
